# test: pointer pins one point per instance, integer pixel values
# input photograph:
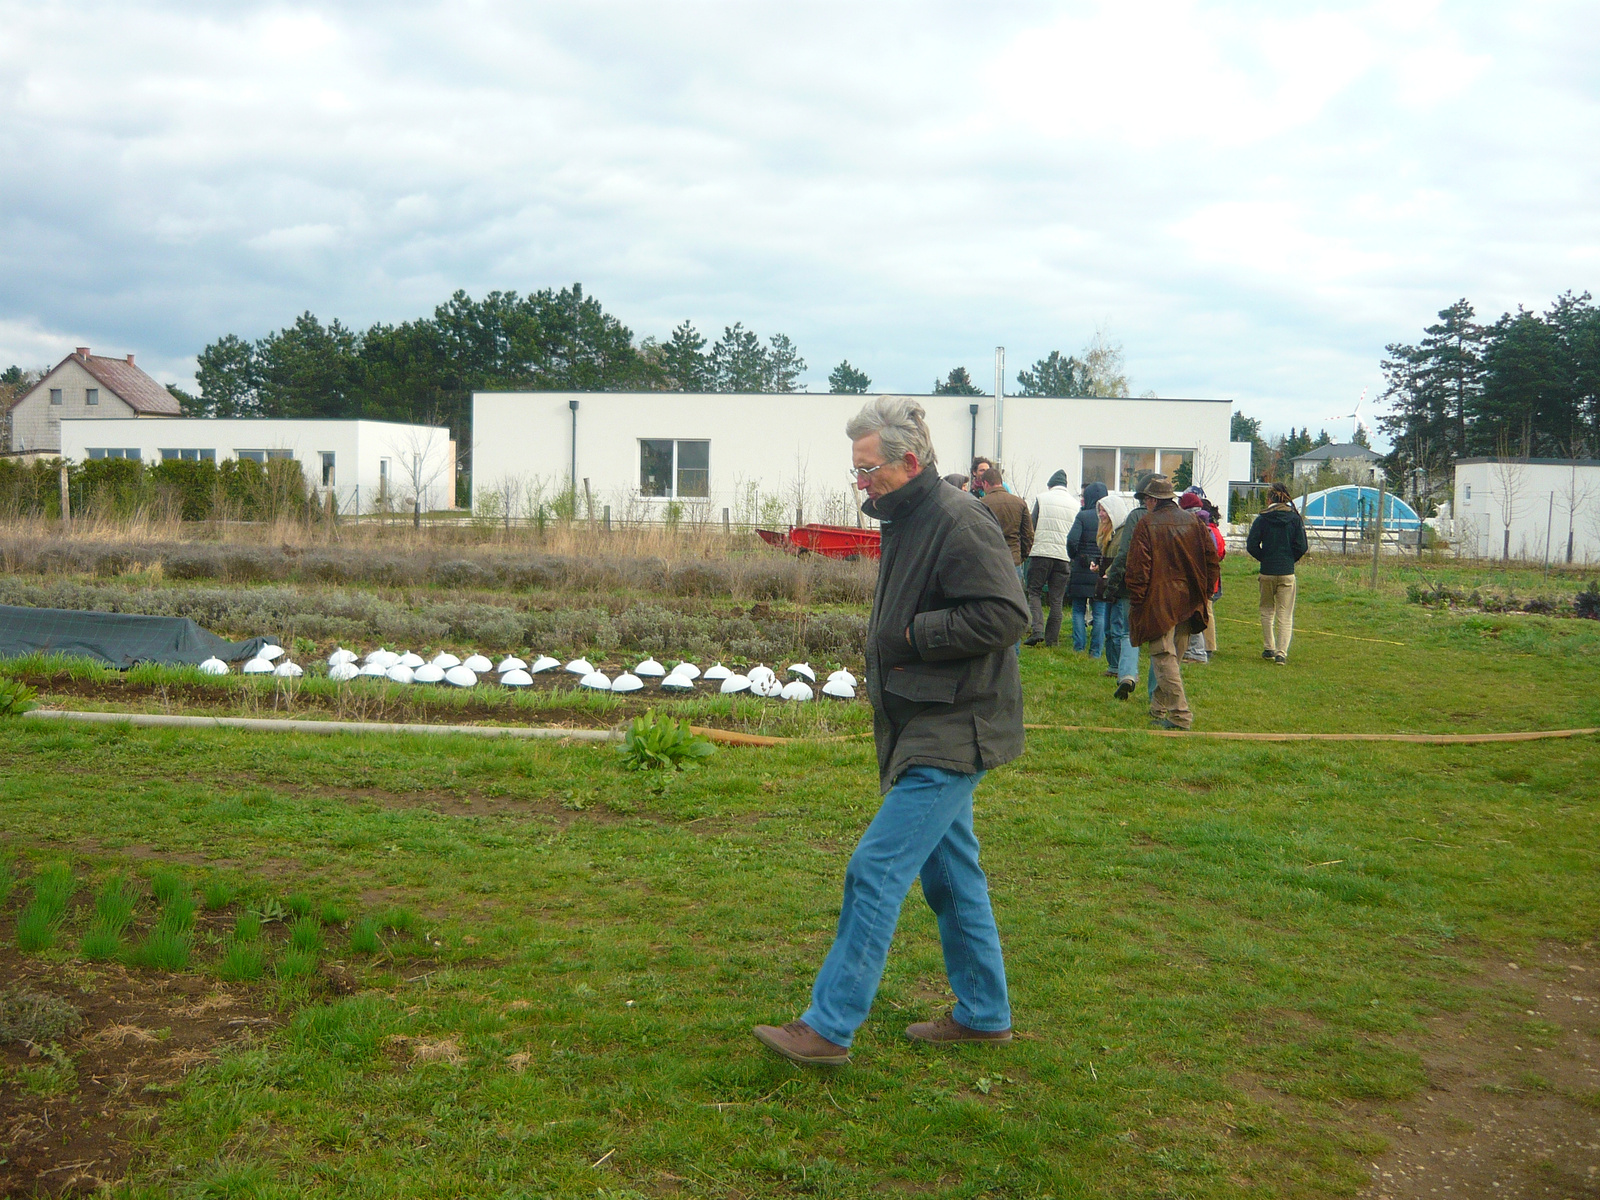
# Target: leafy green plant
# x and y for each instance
(16, 698)
(113, 904)
(399, 920)
(162, 950)
(306, 935)
(56, 1076)
(37, 923)
(101, 943)
(247, 928)
(218, 894)
(364, 938)
(165, 884)
(241, 963)
(653, 743)
(296, 964)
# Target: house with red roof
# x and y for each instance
(85, 385)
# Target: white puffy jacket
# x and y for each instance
(1057, 509)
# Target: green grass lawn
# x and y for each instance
(1217, 951)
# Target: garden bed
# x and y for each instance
(554, 699)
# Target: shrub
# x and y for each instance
(30, 1016)
(652, 744)
(1586, 604)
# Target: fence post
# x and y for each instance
(1377, 541)
(608, 518)
(588, 503)
(799, 515)
(66, 498)
(727, 526)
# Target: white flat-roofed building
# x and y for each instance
(1528, 508)
(766, 457)
(366, 464)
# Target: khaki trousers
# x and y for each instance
(1169, 702)
(1277, 612)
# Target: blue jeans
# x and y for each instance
(1116, 632)
(924, 825)
(1080, 637)
(1128, 656)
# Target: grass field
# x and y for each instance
(1238, 969)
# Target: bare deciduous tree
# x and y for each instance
(1508, 481)
(423, 456)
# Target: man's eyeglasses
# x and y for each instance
(859, 473)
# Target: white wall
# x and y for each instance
(1241, 462)
(792, 448)
(1551, 497)
(36, 423)
(359, 449)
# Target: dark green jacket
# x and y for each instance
(1116, 588)
(950, 695)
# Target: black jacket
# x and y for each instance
(950, 696)
(1082, 546)
(1277, 539)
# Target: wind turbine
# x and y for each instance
(1355, 415)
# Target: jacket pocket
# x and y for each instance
(924, 683)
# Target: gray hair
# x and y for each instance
(901, 424)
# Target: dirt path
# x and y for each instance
(1512, 1108)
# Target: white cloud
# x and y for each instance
(1254, 198)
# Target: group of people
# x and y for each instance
(959, 585)
(1073, 549)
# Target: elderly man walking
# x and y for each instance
(947, 707)
(1172, 570)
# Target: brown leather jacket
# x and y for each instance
(1172, 568)
(1015, 523)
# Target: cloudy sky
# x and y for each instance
(1252, 198)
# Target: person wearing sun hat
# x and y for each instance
(1172, 570)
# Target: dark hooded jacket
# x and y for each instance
(1277, 539)
(950, 694)
(1082, 545)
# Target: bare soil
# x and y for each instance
(1512, 1107)
(142, 1032)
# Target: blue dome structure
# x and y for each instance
(1352, 506)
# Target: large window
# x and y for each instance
(1124, 464)
(673, 469)
(114, 452)
(1100, 466)
(261, 456)
(188, 456)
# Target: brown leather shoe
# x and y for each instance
(800, 1043)
(948, 1029)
